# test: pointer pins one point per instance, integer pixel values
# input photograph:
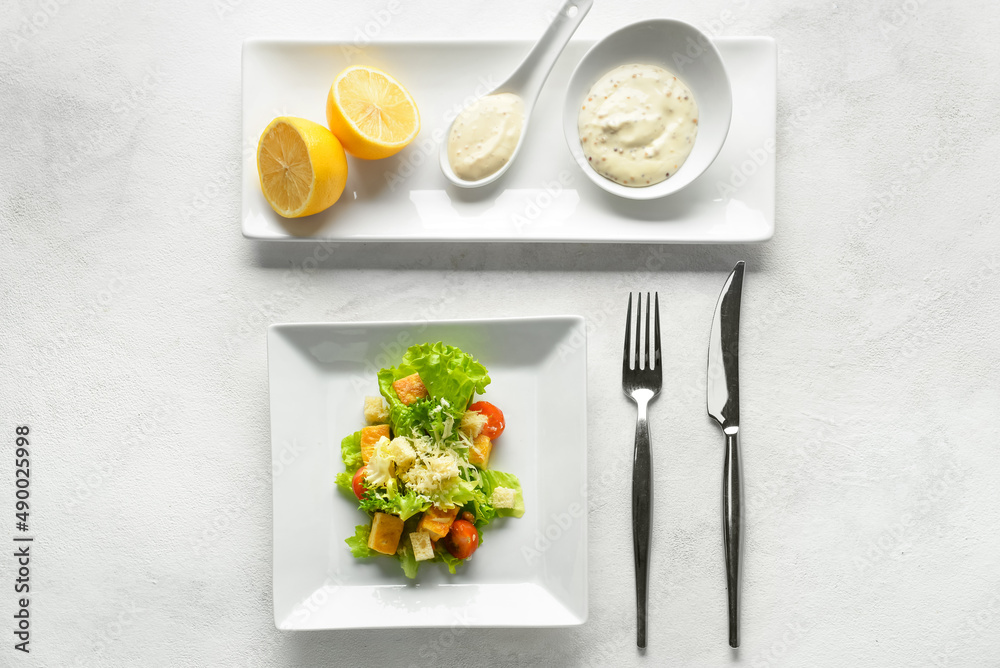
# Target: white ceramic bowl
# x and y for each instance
(675, 46)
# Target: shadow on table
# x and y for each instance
(458, 646)
(507, 256)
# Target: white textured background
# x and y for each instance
(134, 316)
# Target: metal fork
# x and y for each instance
(642, 384)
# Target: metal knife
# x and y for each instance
(724, 405)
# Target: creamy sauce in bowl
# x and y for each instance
(484, 136)
(638, 125)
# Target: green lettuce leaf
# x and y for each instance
(390, 501)
(447, 372)
(406, 558)
(431, 416)
(409, 504)
(344, 480)
(459, 493)
(350, 452)
(402, 418)
(442, 554)
(359, 542)
(492, 479)
(481, 509)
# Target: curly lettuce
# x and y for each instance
(391, 501)
(458, 493)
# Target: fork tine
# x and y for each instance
(649, 360)
(656, 341)
(627, 359)
(638, 330)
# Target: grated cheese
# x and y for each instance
(431, 473)
(473, 423)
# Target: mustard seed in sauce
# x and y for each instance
(632, 130)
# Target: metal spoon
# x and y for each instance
(527, 80)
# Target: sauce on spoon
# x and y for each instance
(484, 136)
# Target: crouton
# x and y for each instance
(401, 453)
(376, 411)
(437, 522)
(479, 451)
(472, 423)
(410, 389)
(385, 533)
(369, 437)
(423, 549)
(503, 497)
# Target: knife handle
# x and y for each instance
(642, 493)
(732, 529)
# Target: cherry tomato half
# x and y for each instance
(462, 540)
(496, 425)
(358, 483)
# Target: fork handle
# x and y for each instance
(642, 493)
(732, 529)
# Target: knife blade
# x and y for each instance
(724, 353)
(723, 396)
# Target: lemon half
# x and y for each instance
(302, 167)
(371, 113)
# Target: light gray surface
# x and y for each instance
(134, 326)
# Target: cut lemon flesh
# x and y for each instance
(302, 167)
(371, 113)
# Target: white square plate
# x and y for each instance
(530, 571)
(544, 196)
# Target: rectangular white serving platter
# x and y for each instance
(529, 572)
(544, 197)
